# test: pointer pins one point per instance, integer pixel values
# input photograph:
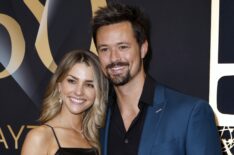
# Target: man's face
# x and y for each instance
(119, 53)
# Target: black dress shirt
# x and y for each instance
(122, 142)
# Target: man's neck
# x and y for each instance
(128, 95)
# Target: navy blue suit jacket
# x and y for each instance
(175, 124)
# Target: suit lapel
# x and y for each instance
(152, 120)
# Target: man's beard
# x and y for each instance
(118, 79)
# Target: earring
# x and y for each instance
(60, 100)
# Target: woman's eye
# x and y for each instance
(90, 85)
(70, 81)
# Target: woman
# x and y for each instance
(73, 109)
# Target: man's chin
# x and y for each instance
(119, 81)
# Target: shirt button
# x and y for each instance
(126, 141)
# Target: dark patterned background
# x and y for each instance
(180, 54)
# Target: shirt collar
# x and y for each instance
(147, 95)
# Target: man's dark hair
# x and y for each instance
(115, 13)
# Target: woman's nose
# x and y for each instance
(79, 89)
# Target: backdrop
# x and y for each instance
(191, 50)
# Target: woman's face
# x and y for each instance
(78, 89)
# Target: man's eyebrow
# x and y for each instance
(119, 43)
(122, 43)
(99, 46)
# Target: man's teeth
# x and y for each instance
(117, 68)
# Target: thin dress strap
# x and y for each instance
(54, 134)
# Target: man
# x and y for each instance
(145, 118)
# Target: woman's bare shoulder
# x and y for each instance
(40, 133)
(37, 140)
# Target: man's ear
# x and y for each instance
(144, 49)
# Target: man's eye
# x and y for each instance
(103, 49)
(123, 47)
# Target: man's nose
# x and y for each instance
(114, 55)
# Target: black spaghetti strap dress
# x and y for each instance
(72, 151)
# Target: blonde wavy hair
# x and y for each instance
(94, 117)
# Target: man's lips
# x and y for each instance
(117, 65)
(116, 70)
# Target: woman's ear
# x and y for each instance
(59, 87)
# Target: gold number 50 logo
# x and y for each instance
(18, 44)
(42, 42)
